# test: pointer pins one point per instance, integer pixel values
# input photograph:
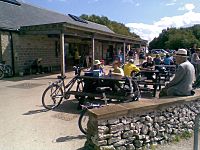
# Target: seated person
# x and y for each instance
(90, 85)
(168, 60)
(181, 85)
(117, 71)
(157, 60)
(97, 66)
(130, 68)
(148, 65)
(36, 65)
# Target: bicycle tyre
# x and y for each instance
(9, 70)
(1, 73)
(80, 122)
(54, 88)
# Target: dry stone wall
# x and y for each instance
(141, 130)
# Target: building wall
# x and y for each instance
(29, 47)
(5, 48)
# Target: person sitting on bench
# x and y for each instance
(181, 85)
(117, 70)
(36, 65)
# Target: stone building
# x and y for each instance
(28, 32)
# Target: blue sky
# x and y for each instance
(145, 17)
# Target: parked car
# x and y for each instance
(161, 52)
(171, 51)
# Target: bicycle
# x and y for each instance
(131, 89)
(84, 118)
(5, 70)
(56, 91)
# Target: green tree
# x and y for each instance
(118, 28)
(177, 38)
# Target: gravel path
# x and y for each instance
(182, 145)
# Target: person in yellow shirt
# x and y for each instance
(129, 68)
(76, 57)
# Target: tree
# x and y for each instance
(119, 28)
(173, 38)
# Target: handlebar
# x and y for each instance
(77, 70)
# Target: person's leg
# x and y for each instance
(163, 92)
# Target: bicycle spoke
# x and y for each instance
(52, 96)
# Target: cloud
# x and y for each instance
(128, 1)
(149, 31)
(92, 1)
(137, 4)
(188, 7)
(57, 0)
(170, 4)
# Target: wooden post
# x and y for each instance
(62, 50)
(124, 53)
(93, 47)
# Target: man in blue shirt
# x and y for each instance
(168, 60)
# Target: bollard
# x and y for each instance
(196, 133)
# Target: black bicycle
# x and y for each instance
(56, 91)
(130, 89)
(5, 70)
(84, 118)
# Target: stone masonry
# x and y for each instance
(29, 47)
(142, 129)
(5, 47)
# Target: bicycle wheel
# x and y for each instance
(9, 71)
(1, 73)
(52, 96)
(83, 121)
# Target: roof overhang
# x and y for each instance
(84, 32)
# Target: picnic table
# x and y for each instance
(153, 78)
(91, 84)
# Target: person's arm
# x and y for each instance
(177, 78)
(135, 68)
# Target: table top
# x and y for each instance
(106, 77)
(149, 71)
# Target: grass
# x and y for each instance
(185, 135)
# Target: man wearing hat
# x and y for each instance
(181, 85)
(130, 68)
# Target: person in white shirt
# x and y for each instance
(181, 84)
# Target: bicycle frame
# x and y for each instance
(68, 86)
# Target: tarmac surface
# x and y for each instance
(26, 125)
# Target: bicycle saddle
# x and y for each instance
(103, 89)
(61, 77)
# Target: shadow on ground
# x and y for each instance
(68, 106)
(69, 138)
(30, 77)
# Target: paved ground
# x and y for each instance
(26, 125)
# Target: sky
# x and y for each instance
(147, 18)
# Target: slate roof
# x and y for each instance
(14, 16)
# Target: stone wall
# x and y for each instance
(5, 47)
(29, 47)
(139, 127)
